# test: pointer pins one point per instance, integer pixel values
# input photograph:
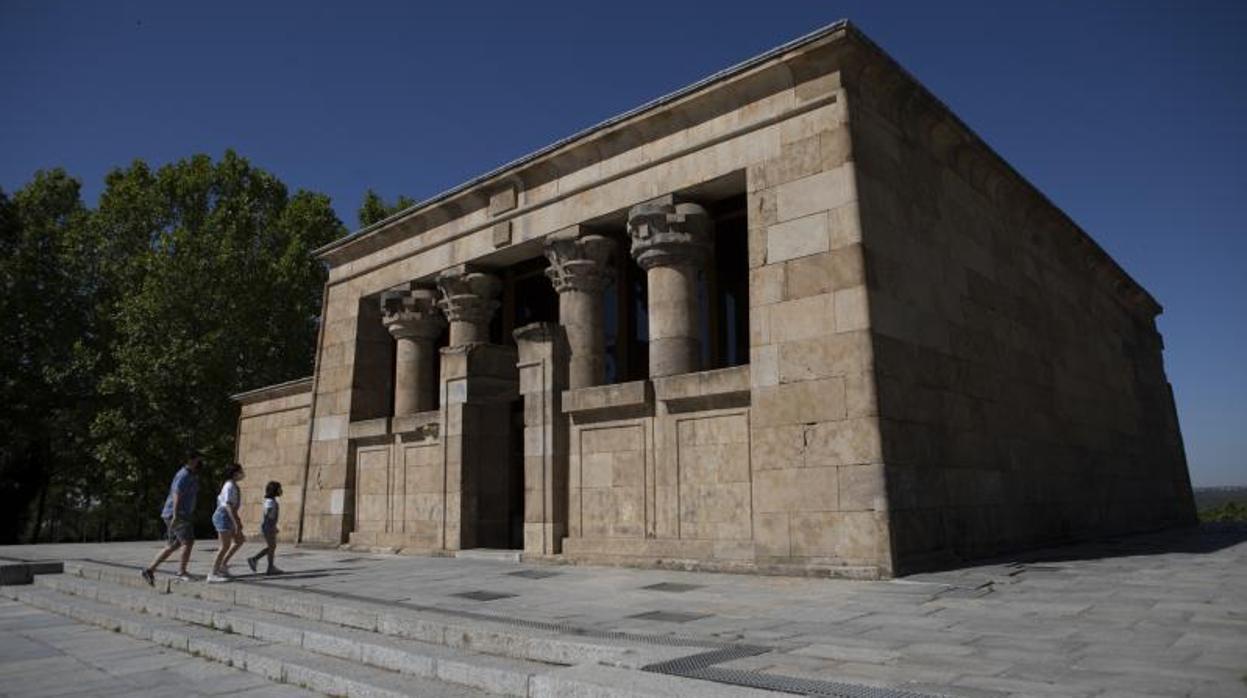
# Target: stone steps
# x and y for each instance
(478, 635)
(498, 675)
(277, 662)
(355, 647)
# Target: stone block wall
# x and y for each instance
(272, 445)
(1022, 398)
(817, 483)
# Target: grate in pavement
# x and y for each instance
(669, 616)
(534, 574)
(483, 595)
(674, 587)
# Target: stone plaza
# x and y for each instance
(1141, 616)
(795, 318)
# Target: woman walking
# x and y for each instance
(228, 525)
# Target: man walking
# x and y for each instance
(179, 506)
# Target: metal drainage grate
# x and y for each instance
(483, 595)
(674, 587)
(534, 574)
(669, 616)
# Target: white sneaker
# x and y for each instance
(216, 578)
(184, 577)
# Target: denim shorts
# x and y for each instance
(221, 520)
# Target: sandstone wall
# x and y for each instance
(272, 445)
(1021, 393)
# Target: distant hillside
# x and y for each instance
(1210, 497)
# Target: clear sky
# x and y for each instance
(1131, 116)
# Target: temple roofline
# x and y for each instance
(368, 239)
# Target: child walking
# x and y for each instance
(228, 525)
(268, 526)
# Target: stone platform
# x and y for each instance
(1153, 615)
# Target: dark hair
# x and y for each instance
(272, 489)
(231, 470)
(192, 454)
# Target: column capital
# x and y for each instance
(468, 296)
(667, 233)
(411, 313)
(579, 260)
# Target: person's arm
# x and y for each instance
(231, 505)
(177, 499)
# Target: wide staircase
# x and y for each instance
(354, 647)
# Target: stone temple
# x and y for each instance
(794, 318)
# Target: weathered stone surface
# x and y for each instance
(940, 363)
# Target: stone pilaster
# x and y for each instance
(469, 301)
(580, 271)
(671, 241)
(411, 316)
(543, 377)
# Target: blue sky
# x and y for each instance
(1131, 116)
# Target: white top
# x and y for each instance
(229, 494)
(270, 509)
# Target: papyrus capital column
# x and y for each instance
(671, 242)
(469, 301)
(411, 316)
(580, 270)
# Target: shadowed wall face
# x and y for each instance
(1022, 393)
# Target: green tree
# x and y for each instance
(44, 312)
(374, 208)
(224, 298)
(124, 330)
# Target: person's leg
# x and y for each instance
(186, 557)
(226, 539)
(164, 554)
(271, 538)
(172, 543)
(236, 540)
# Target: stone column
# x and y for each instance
(468, 299)
(411, 316)
(671, 242)
(579, 271)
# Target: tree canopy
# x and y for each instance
(374, 208)
(124, 329)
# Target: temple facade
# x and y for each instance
(794, 318)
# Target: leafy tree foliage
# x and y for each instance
(374, 208)
(130, 325)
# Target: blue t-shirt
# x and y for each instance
(186, 485)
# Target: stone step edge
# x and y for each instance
(486, 638)
(241, 653)
(250, 655)
(346, 645)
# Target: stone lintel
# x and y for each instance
(615, 401)
(478, 360)
(423, 424)
(718, 389)
(369, 428)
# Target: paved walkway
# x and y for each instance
(43, 654)
(1156, 615)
